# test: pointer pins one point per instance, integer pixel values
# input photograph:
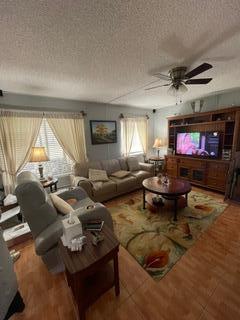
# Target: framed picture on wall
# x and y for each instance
(103, 131)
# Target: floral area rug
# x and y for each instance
(153, 238)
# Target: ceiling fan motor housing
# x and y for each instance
(177, 75)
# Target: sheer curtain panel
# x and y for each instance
(68, 129)
(142, 127)
(127, 131)
(18, 133)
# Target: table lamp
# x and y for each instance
(38, 154)
(157, 145)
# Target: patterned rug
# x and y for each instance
(153, 238)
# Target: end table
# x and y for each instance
(89, 272)
(157, 161)
(50, 184)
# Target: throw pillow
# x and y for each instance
(133, 164)
(61, 205)
(120, 174)
(97, 175)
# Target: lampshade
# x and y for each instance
(38, 154)
(157, 143)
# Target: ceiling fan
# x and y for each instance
(179, 78)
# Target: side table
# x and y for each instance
(50, 184)
(156, 161)
(89, 272)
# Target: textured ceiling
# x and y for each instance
(100, 50)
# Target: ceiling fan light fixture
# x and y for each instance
(174, 90)
(182, 88)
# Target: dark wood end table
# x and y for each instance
(50, 184)
(89, 272)
(156, 161)
(173, 191)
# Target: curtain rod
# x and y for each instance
(121, 116)
(82, 112)
(10, 109)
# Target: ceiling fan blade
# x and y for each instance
(163, 85)
(202, 68)
(162, 76)
(198, 81)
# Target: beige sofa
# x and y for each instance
(114, 186)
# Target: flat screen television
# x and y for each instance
(202, 144)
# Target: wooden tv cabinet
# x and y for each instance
(210, 173)
(203, 172)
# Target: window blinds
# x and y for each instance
(59, 163)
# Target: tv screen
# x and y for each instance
(205, 144)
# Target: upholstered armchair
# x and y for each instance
(44, 220)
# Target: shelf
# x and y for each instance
(199, 123)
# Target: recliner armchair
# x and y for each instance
(44, 220)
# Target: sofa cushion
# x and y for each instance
(133, 163)
(81, 169)
(123, 163)
(111, 166)
(126, 184)
(97, 175)
(140, 158)
(61, 205)
(108, 187)
(141, 175)
(95, 165)
(120, 174)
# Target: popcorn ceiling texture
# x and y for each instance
(98, 50)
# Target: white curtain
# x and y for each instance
(18, 133)
(127, 131)
(142, 127)
(68, 129)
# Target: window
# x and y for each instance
(136, 143)
(59, 163)
(134, 136)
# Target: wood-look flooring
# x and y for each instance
(203, 285)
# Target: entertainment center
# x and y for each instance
(203, 145)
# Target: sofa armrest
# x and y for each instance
(48, 238)
(147, 167)
(87, 186)
(99, 212)
(82, 182)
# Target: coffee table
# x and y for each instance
(172, 191)
(89, 272)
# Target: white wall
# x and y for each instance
(95, 111)
(214, 102)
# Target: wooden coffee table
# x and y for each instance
(89, 272)
(173, 191)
